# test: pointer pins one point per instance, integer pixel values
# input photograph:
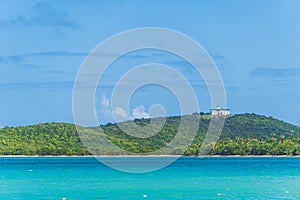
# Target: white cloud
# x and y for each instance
(120, 114)
(104, 113)
(104, 101)
(139, 112)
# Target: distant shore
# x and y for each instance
(86, 156)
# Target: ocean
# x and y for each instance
(187, 178)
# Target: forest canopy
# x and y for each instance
(243, 134)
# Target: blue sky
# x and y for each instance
(255, 44)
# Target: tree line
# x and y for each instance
(244, 134)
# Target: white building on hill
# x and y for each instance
(219, 111)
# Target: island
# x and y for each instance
(243, 134)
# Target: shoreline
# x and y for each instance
(115, 156)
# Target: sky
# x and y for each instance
(255, 45)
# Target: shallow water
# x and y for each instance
(187, 178)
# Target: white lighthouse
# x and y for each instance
(218, 111)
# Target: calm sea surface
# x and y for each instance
(187, 178)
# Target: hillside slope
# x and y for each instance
(259, 126)
(246, 134)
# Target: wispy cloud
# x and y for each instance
(218, 59)
(276, 73)
(44, 14)
(22, 57)
(36, 85)
(15, 59)
(57, 53)
(43, 69)
(32, 66)
(48, 15)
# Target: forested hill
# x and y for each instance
(259, 126)
(245, 134)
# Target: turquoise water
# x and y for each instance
(187, 178)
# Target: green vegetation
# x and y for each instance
(41, 139)
(243, 134)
